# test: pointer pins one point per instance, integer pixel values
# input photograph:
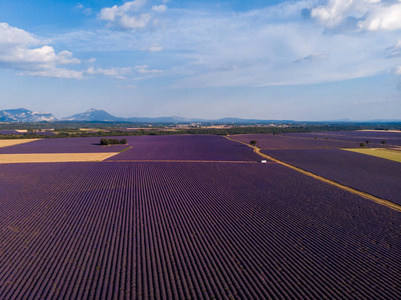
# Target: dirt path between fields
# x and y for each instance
(378, 200)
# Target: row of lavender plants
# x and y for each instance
(373, 175)
(186, 147)
(185, 230)
(321, 140)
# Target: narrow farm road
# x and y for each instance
(368, 196)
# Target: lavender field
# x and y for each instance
(62, 145)
(186, 147)
(374, 137)
(270, 141)
(176, 217)
(180, 147)
(322, 140)
(376, 176)
(184, 230)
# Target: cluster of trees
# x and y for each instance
(367, 142)
(113, 142)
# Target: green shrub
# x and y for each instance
(106, 142)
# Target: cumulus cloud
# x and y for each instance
(275, 45)
(370, 14)
(20, 50)
(113, 72)
(383, 17)
(112, 13)
(159, 8)
(130, 15)
(335, 11)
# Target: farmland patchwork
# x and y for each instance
(196, 217)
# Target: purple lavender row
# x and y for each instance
(270, 141)
(63, 145)
(185, 147)
(318, 140)
(374, 137)
(377, 176)
(180, 230)
(188, 147)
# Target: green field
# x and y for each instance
(382, 153)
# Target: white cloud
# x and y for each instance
(335, 11)
(398, 70)
(134, 22)
(383, 17)
(113, 72)
(111, 13)
(159, 8)
(143, 69)
(126, 16)
(370, 14)
(16, 52)
(91, 60)
(56, 73)
(254, 48)
(86, 11)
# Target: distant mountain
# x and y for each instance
(94, 115)
(25, 115)
(103, 116)
(99, 115)
(385, 121)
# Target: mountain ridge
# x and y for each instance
(99, 115)
(24, 115)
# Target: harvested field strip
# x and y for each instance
(53, 157)
(393, 155)
(179, 231)
(378, 200)
(13, 142)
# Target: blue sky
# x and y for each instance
(300, 60)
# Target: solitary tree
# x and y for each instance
(362, 144)
(383, 142)
(367, 142)
(253, 142)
